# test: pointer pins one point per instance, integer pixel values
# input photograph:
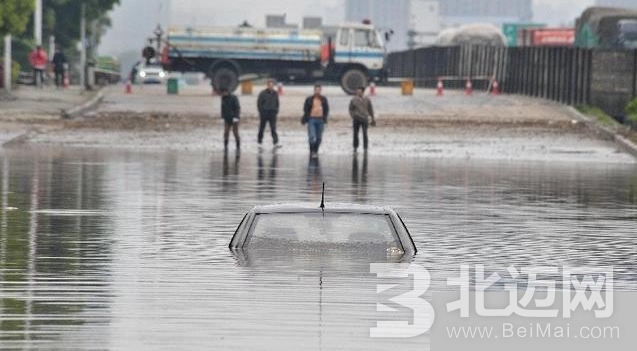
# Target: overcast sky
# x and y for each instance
(134, 20)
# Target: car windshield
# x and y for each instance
(337, 230)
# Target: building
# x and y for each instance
(312, 22)
(412, 21)
(455, 13)
(278, 21)
(617, 3)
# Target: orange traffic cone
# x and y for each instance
(67, 81)
(469, 87)
(495, 88)
(439, 88)
(372, 89)
(279, 89)
(129, 87)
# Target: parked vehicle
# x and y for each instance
(354, 56)
(107, 70)
(335, 227)
(607, 27)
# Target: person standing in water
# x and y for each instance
(231, 113)
(361, 110)
(268, 106)
(315, 112)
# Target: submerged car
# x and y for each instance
(303, 227)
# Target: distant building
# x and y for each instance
(454, 13)
(617, 3)
(403, 17)
(278, 21)
(312, 22)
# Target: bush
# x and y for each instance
(601, 116)
(631, 108)
(15, 71)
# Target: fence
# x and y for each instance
(602, 78)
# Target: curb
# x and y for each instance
(85, 107)
(625, 144)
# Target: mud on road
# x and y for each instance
(423, 125)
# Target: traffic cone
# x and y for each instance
(495, 88)
(67, 81)
(469, 87)
(129, 87)
(372, 89)
(439, 88)
(279, 89)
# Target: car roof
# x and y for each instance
(329, 208)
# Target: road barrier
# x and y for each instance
(469, 87)
(407, 87)
(246, 87)
(576, 76)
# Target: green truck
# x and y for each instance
(607, 28)
(107, 70)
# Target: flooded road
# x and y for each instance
(128, 250)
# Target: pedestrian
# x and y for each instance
(268, 106)
(38, 60)
(315, 112)
(133, 72)
(361, 110)
(230, 112)
(59, 61)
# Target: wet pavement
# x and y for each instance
(454, 126)
(124, 249)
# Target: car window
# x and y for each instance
(338, 229)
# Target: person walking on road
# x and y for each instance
(361, 110)
(38, 60)
(59, 61)
(315, 112)
(230, 112)
(268, 106)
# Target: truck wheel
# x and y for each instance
(353, 79)
(225, 78)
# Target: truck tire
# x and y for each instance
(225, 78)
(352, 79)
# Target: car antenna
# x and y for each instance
(323, 198)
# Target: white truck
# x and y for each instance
(353, 56)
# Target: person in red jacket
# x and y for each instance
(38, 59)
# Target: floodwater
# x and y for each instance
(128, 251)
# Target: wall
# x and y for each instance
(602, 78)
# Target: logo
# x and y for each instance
(423, 311)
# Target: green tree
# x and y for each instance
(14, 16)
(61, 18)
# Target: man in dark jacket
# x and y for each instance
(316, 110)
(361, 110)
(268, 106)
(230, 112)
(59, 60)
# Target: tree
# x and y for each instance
(14, 16)
(61, 18)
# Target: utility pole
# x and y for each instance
(37, 20)
(158, 34)
(7, 62)
(83, 47)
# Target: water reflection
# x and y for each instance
(129, 251)
(359, 177)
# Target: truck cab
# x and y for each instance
(359, 55)
(627, 30)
